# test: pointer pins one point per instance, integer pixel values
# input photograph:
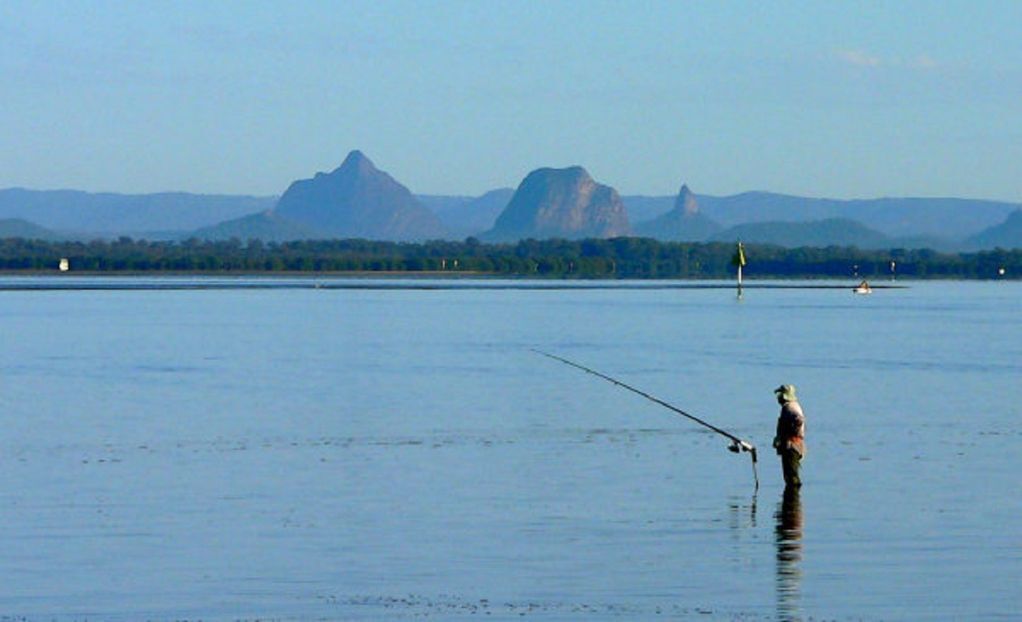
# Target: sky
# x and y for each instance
(834, 99)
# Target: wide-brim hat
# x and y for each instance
(786, 392)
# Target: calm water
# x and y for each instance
(380, 454)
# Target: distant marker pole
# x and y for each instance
(739, 261)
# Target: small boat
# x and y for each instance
(863, 288)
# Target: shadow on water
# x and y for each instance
(788, 535)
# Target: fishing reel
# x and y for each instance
(740, 446)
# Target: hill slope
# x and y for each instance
(125, 214)
(1007, 235)
(19, 228)
(821, 233)
(266, 226)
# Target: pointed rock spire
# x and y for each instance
(357, 162)
(686, 201)
(684, 223)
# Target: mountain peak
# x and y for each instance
(357, 162)
(567, 175)
(684, 223)
(686, 201)
(578, 172)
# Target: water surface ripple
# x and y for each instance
(183, 450)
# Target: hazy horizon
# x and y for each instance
(843, 101)
(466, 195)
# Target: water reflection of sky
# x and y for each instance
(378, 445)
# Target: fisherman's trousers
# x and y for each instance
(791, 461)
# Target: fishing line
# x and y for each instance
(737, 445)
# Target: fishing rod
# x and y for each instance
(737, 445)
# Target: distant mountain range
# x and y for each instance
(359, 200)
(88, 215)
(940, 217)
(467, 216)
(820, 233)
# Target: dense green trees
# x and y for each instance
(639, 258)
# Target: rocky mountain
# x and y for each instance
(1008, 234)
(561, 203)
(357, 200)
(684, 223)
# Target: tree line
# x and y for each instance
(617, 258)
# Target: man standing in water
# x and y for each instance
(791, 431)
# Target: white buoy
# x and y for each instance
(64, 265)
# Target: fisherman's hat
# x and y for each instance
(786, 392)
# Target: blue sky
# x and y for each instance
(815, 98)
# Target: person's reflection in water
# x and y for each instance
(739, 520)
(789, 555)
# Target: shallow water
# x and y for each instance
(394, 453)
